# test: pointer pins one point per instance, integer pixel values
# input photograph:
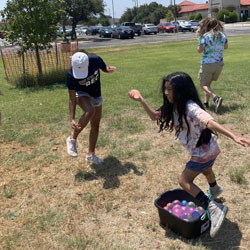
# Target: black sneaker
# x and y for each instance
(217, 101)
(206, 104)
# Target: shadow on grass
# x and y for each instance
(229, 237)
(227, 108)
(110, 170)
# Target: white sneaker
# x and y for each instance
(214, 192)
(71, 147)
(93, 159)
(217, 215)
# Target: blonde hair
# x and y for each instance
(210, 25)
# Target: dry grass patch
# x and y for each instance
(63, 203)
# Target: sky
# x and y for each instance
(120, 6)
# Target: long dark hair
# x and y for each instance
(183, 91)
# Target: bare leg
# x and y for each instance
(85, 104)
(207, 90)
(186, 181)
(94, 130)
(209, 174)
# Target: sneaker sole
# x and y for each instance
(74, 156)
(216, 195)
(91, 162)
(218, 105)
(220, 222)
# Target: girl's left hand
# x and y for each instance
(135, 95)
(242, 141)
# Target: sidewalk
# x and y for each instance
(243, 24)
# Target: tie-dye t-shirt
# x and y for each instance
(197, 119)
(214, 47)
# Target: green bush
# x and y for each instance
(233, 17)
(198, 16)
(191, 17)
(221, 13)
(230, 17)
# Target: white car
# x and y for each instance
(182, 25)
(149, 28)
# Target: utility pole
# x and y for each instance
(136, 8)
(174, 11)
(211, 7)
(113, 12)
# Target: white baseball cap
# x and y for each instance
(80, 64)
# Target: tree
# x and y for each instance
(169, 16)
(147, 13)
(104, 20)
(32, 24)
(82, 10)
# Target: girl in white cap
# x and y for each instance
(84, 87)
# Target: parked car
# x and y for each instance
(149, 28)
(165, 27)
(122, 32)
(136, 27)
(68, 31)
(81, 30)
(92, 30)
(105, 31)
(182, 25)
(194, 25)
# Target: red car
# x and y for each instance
(165, 27)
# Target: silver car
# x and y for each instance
(149, 28)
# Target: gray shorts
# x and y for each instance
(210, 71)
(95, 101)
(199, 167)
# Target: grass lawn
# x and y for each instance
(50, 201)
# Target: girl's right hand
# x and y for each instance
(135, 94)
(75, 125)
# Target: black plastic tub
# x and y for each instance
(187, 229)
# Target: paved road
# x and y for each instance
(95, 41)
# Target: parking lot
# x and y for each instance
(94, 41)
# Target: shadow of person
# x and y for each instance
(227, 108)
(110, 170)
(228, 237)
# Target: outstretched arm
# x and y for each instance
(136, 96)
(213, 125)
(109, 69)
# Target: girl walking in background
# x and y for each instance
(212, 44)
(183, 112)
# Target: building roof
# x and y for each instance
(194, 7)
(244, 2)
(187, 6)
(184, 3)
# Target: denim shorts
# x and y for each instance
(95, 101)
(199, 167)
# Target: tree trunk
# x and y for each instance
(73, 34)
(39, 65)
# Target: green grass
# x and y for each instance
(141, 67)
